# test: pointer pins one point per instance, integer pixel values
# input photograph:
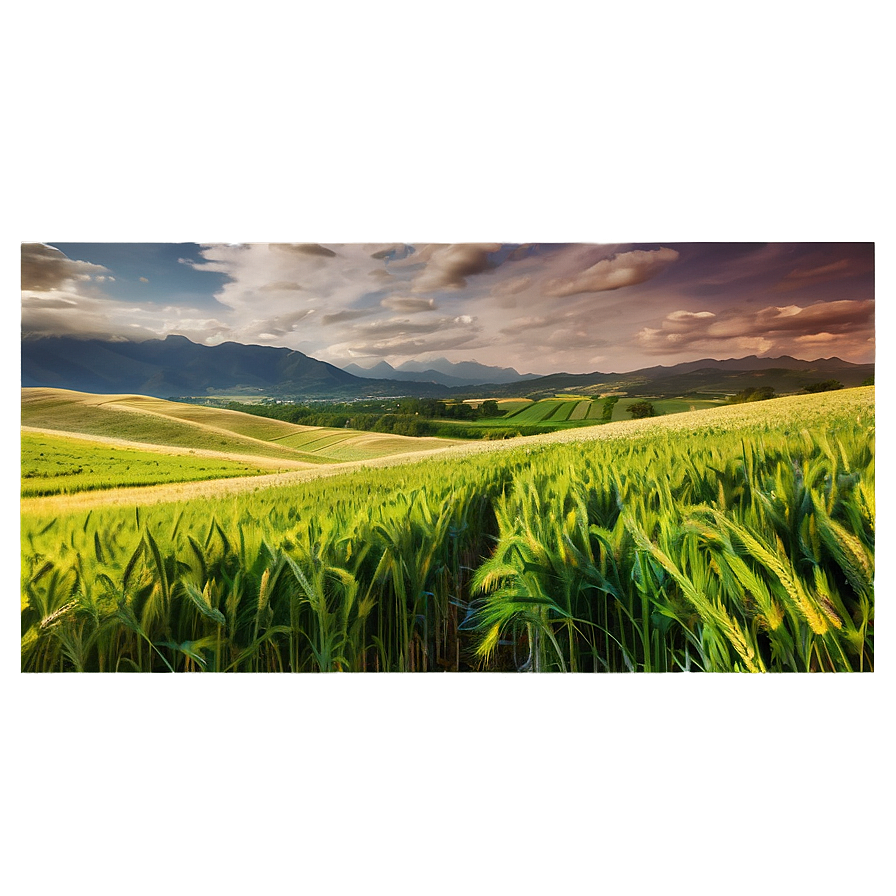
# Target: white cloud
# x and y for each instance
(409, 304)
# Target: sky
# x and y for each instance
(539, 308)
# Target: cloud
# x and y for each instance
(522, 251)
(409, 304)
(402, 327)
(41, 303)
(398, 336)
(45, 268)
(511, 287)
(280, 325)
(781, 329)
(855, 262)
(575, 337)
(401, 347)
(447, 267)
(624, 269)
(842, 316)
(396, 301)
(524, 324)
(395, 251)
(63, 312)
(817, 339)
(280, 286)
(689, 315)
(338, 317)
(313, 249)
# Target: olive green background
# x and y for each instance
(497, 120)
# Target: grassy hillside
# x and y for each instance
(136, 418)
(58, 464)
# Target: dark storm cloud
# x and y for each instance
(45, 268)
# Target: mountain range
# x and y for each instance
(441, 370)
(175, 366)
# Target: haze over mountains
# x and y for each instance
(175, 366)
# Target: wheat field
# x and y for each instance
(735, 539)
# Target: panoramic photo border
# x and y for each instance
(173, 476)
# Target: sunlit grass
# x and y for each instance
(54, 465)
(730, 539)
(136, 418)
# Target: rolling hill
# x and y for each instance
(147, 421)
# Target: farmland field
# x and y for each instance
(733, 539)
(56, 464)
(663, 406)
(154, 421)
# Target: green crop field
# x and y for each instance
(556, 413)
(534, 413)
(564, 411)
(663, 406)
(53, 465)
(734, 539)
(513, 404)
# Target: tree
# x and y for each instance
(490, 408)
(824, 386)
(641, 409)
(763, 393)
